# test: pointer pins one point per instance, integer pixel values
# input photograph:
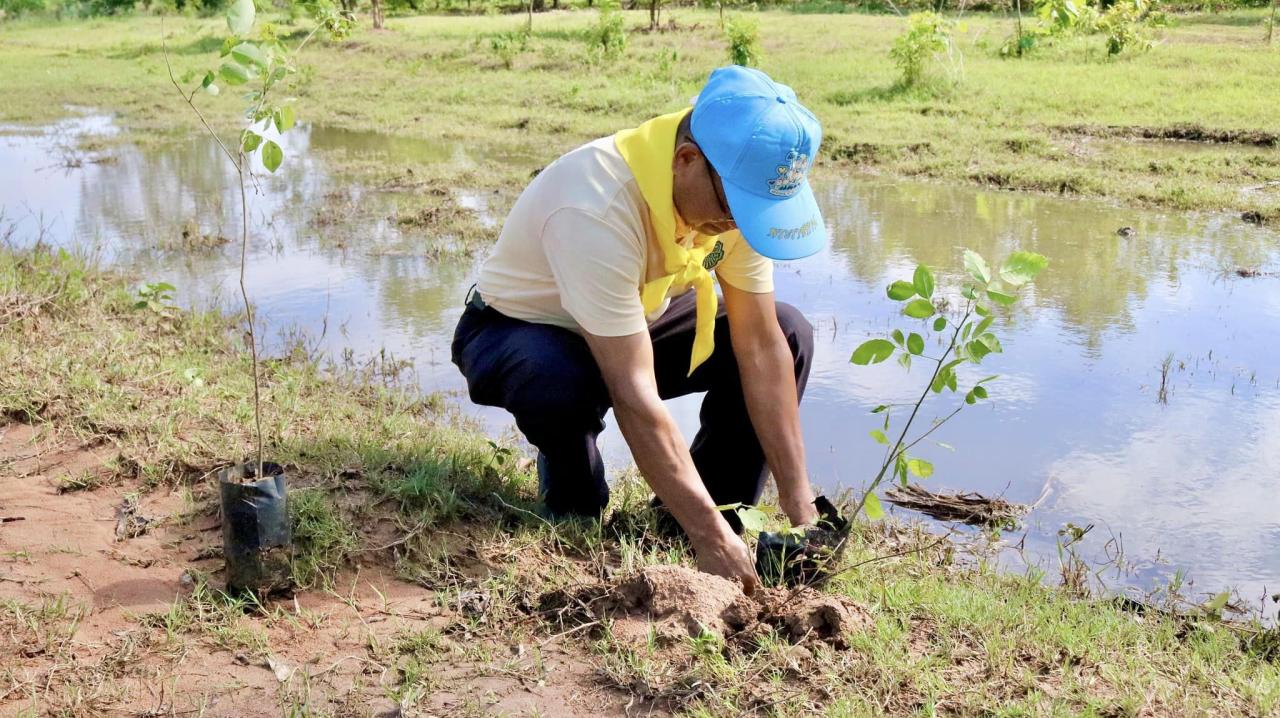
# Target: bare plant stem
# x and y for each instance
(1271, 24)
(248, 310)
(1019, 8)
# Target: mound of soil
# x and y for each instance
(674, 603)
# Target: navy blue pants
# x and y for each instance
(549, 381)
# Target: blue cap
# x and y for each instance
(762, 141)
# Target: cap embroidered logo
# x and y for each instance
(790, 175)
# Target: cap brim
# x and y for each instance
(779, 229)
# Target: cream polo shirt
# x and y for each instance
(578, 245)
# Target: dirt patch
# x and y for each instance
(674, 603)
(103, 611)
(1180, 132)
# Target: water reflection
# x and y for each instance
(1074, 419)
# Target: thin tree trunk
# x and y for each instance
(1271, 26)
(1019, 5)
(721, 6)
(530, 25)
(653, 14)
(377, 14)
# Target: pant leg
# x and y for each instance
(546, 377)
(725, 450)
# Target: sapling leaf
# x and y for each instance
(1218, 602)
(872, 351)
(977, 266)
(283, 118)
(212, 89)
(977, 350)
(208, 80)
(1000, 297)
(969, 398)
(879, 437)
(240, 17)
(900, 290)
(979, 391)
(272, 156)
(915, 344)
(871, 504)
(984, 325)
(920, 468)
(922, 282)
(250, 141)
(919, 309)
(247, 53)
(752, 519)
(939, 324)
(904, 360)
(1022, 267)
(990, 342)
(233, 73)
(898, 338)
(879, 409)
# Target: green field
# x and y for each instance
(1065, 119)
(393, 485)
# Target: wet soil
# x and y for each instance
(1184, 132)
(674, 603)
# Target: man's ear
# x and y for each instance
(686, 154)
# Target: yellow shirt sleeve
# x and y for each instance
(598, 266)
(744, 267)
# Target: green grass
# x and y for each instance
(1017, 124)
(954, 638)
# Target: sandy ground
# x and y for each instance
(326, 651)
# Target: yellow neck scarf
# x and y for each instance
(648, 151)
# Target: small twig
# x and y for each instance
(416, 530)
(11, 519)
(571, 631)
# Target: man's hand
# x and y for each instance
(731, 559)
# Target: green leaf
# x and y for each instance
(922, 282)
(878, 409)
(879, 437)
(233, 73)
(872, 351)
(986, 379)
(904, 360)
(1022, 267)
(871, 504)
(212, 89)
(283, 118)
(951, 381)
(240, 17)
(1000, 297)
(899, 291)
(753, 519)
(977, 350)
(919, 309)
(898, 338)
(977, 266)
(247, 53)
(920, 468)
(989, 341)
(939, 324)
(250, 141)
(915, 344)
(980, 391)
(272, 156)
(984, 325)
(208, 80)
(969, 397)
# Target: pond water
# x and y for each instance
(1074, 424)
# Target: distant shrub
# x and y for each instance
(743, 35)
(18, 8)
(927, 35)
(508, 45)
(608, 37)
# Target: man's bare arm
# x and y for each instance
(767, 370)
(626, 364)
